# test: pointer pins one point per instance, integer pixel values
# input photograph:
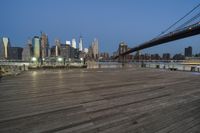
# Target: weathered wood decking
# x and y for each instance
(106, 100)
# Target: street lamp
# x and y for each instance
(34, 59)
(60, 59)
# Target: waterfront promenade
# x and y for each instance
(134, 100)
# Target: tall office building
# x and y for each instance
(4, 48)
(27, 52)
(44, 45)
(95, 49)
(74, 53)
(74, 43)
(65, 51)
(53, 51)
(49, 52)
(2, 55)
(80, 43)
(57, 50)
(36, 47)
(90, 52)
(188, 51)
(6, 44)
(16, 53)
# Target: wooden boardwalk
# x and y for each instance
(101, 101)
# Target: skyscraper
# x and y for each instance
(74, 53)
(4, 48)
(16, 53)
(36, 47)
(57, 51)
(95, 49)
(53, 51)
(65, 51)
(27, 52)
(188, 51)
(74, 43)
(44, 45)
(81, 44)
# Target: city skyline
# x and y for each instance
(118, 21)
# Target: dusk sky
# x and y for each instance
(111, 21)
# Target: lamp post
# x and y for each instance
(60, 60)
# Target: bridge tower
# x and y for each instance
(122, 59)
(123, 47)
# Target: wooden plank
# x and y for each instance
(113, 100)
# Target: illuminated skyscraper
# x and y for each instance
(36, 47)
(4, 48)
(6, 45)
(57, 51)
(74, 43)
(81, 44)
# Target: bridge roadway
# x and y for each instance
(131, 100)
(185, 32)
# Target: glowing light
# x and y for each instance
(34, 59)
(60, 59)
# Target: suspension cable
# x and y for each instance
(189, 21)
(179, 20)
